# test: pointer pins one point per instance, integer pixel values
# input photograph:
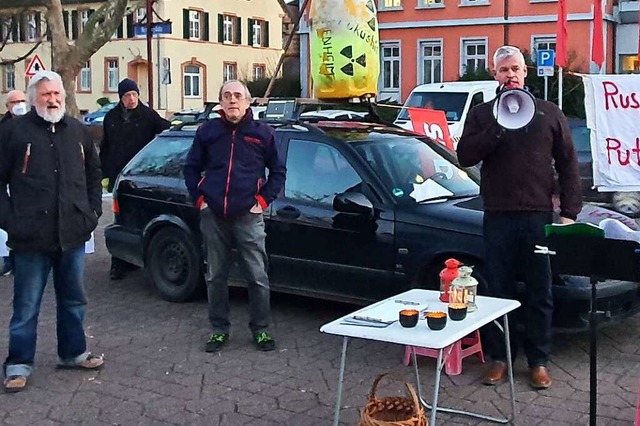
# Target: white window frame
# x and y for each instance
(32, 27)
(229, 71)
(195, 18)
(259, 71)
(85, 78)
(227, 25)
(475, 2)
(84, 18)
(113, 75)
(192, 81)
(422, 44)
(389, 4)
(257, 32)
(464, 43)
(430, 4)
(9, 77)
(7, 34)
(393, 61)
(538, 39)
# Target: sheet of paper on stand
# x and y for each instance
(387, 312)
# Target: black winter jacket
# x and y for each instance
(53, 174)
(122, 139)
(233, 158)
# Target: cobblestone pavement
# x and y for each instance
(157, 373)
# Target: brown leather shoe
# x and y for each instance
(496, 373)
(540, 378)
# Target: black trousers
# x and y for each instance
(510, 239)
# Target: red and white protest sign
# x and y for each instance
(431, 123)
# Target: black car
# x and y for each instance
(627, 203)
(367, 211)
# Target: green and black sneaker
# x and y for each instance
(216, 342)
(264, 342)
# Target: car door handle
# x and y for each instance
(288, 212)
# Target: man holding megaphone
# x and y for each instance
(523, 143)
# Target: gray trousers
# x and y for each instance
(247, 232)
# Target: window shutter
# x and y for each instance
(250, 32)
(220, 28)
(65, 18)
(38, 16)
(185, 23)
(130, 28)
(205, 25)
(74, 24)
(265, 39)
(15, 27)
(238, 39)
(22, 26)
(120, 31)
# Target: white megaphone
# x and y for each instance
(514, 109)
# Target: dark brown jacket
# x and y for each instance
(519, 167)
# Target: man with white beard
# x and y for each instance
(50, 164)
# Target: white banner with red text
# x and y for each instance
(612, 104)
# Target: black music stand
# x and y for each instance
(582, 250)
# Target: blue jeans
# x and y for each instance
(30, 279)
(249, 235)
(510, 239)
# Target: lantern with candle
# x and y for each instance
(464, 288)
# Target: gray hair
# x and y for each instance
(507, 52)
(37, 78)
(247, 93)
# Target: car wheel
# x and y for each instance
(173, 264)
(627, 203)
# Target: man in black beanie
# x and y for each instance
(127, 129)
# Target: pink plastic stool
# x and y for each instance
(461, 349)
(638, 410)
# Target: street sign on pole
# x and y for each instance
(140, 30)
(34, 66)
(545, 60)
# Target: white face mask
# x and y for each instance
(19, 109)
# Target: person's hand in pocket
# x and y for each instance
(256, 209)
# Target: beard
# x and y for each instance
(51, 116)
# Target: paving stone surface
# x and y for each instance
(157, 372)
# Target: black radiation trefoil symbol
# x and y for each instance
(347, 52)
(370, 6)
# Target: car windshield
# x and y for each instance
(164, 156)
(413, 170)
(452, 103)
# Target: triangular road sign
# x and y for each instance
(34, 66)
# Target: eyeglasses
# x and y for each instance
(227, 96)
(16, 101)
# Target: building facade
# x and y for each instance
(430, 41)
(209, 43)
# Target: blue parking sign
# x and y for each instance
(546, 58)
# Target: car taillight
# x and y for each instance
(116, 206)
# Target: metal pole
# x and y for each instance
(546, 88)
(149, 20)
(560, 88)
(286, 48)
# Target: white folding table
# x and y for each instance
(489, 309)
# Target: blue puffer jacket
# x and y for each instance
(233, 158)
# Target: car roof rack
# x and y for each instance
(290, 109)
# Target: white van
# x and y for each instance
(454, 98)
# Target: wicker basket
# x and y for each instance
(392, 410)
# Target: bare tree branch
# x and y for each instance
(21, 58)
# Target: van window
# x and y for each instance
(451, 103)
(477, 99)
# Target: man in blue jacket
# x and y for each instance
(233, 152)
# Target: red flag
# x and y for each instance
(597, 44)
(432, 123)
(562, 59)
